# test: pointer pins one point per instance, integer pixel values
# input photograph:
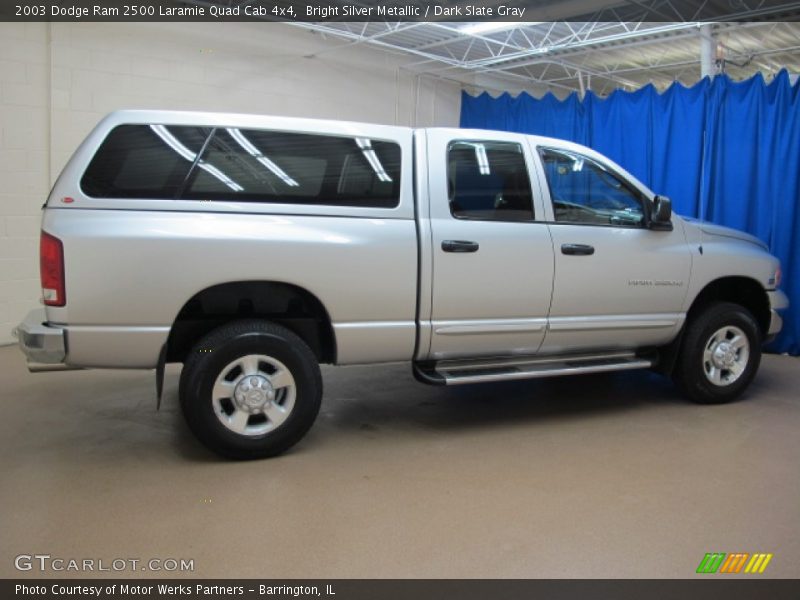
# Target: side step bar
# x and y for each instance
(456, 372)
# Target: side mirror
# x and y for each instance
(661, 218)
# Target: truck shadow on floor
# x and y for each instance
(114, 411)
(369, 402)
(387, 403)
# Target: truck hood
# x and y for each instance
(712, 229)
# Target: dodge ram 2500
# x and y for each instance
(251, 249)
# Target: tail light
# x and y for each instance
(51, 263)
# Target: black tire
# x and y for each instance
(211, 358)
(694, 371)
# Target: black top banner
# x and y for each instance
(399, 10)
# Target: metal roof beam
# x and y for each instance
(580, 44)
(673, 36)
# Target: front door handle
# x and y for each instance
(577, 249)
(459, 246)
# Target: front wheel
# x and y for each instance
(720, 354)
(250, 389)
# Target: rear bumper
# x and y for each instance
(43, 345)
(777, 302)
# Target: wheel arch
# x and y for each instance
(744, 291)
(289, 305)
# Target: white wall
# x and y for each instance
(57, 80)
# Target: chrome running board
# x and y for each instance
(37, 367)
(456, 372)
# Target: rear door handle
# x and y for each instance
(459, 246)
(577, 249)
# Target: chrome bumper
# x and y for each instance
(43, 345)
(777, 301)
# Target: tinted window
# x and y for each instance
(243, 165)
(141, 161)
(586, 192)
(488, 180)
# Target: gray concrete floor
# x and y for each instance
(593, 476)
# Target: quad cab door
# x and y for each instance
(492, 255)
(619, 283)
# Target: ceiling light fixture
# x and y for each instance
(491, 26)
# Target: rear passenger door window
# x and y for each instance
(489, 181)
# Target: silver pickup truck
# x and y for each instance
(251, 249)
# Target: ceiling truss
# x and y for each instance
(624, 44)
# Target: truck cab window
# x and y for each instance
(585, 192)
(489, 181)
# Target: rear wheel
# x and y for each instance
(250, 389)
(720, 354)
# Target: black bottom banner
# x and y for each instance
(400, 589)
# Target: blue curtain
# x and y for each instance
(724, 151)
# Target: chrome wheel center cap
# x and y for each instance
(724, 355)
(253, 393)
